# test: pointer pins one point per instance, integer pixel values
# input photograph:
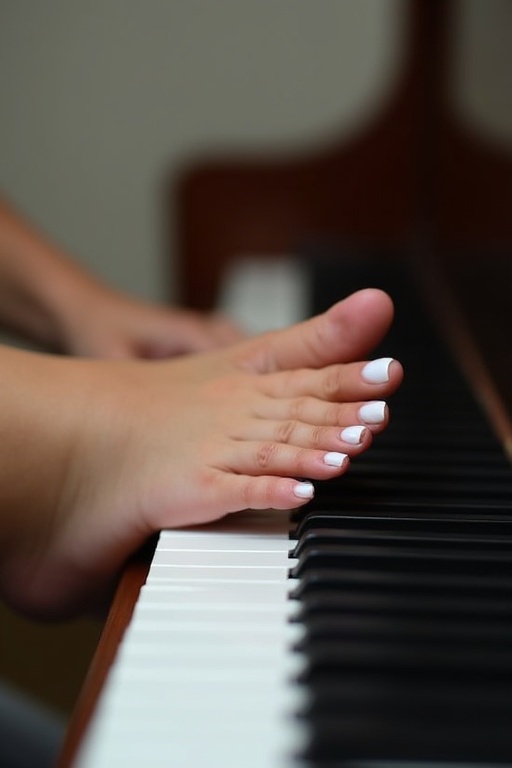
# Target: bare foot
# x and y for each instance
(138, 446)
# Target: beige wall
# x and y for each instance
(98, 97)
(483, 68)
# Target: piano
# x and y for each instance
(373, 628)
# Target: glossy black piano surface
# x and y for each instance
(405, 565)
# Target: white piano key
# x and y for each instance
(191, 750)
(218, 678)
(173, 728)
(181, 648)
(201, 666)
(249, 522)
(252, 658)
(226, 558)
(232, 606)
(234, 614)
(219, 602)
(225, 542)
(290, 634)
(162, 593)
(230, 620)
(224, 640)
(270, 725)
(242, 525)
(275, 632)
(268, 574)
(130, 694)
(236, 656)
(162, 584)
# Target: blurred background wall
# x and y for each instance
(101, 99)
(98, 99)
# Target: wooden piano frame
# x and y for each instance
(415, 178)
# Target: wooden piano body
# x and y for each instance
(415, 182)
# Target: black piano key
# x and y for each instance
(338, 655)
(352, 739)
(435, 507)
(416, 630)
(419, 437)
(417, 695)
(324, 524)
(404, 545)
(401, 590)
(404, 560)
(438, 509)
(456, 488)
(434, 607)
(442, 456)
(383, 534)
(410, 467)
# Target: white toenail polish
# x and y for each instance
(377, 371)
(334, 459)
(304, 490)
(373, 413)
(352, 435)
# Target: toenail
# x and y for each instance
(304, 490)
(352, 435)
(373, 413)
(377, 371)
(334, 459)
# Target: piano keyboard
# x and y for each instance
(201, 678)
(373, 628)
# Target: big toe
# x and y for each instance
(348, 331)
